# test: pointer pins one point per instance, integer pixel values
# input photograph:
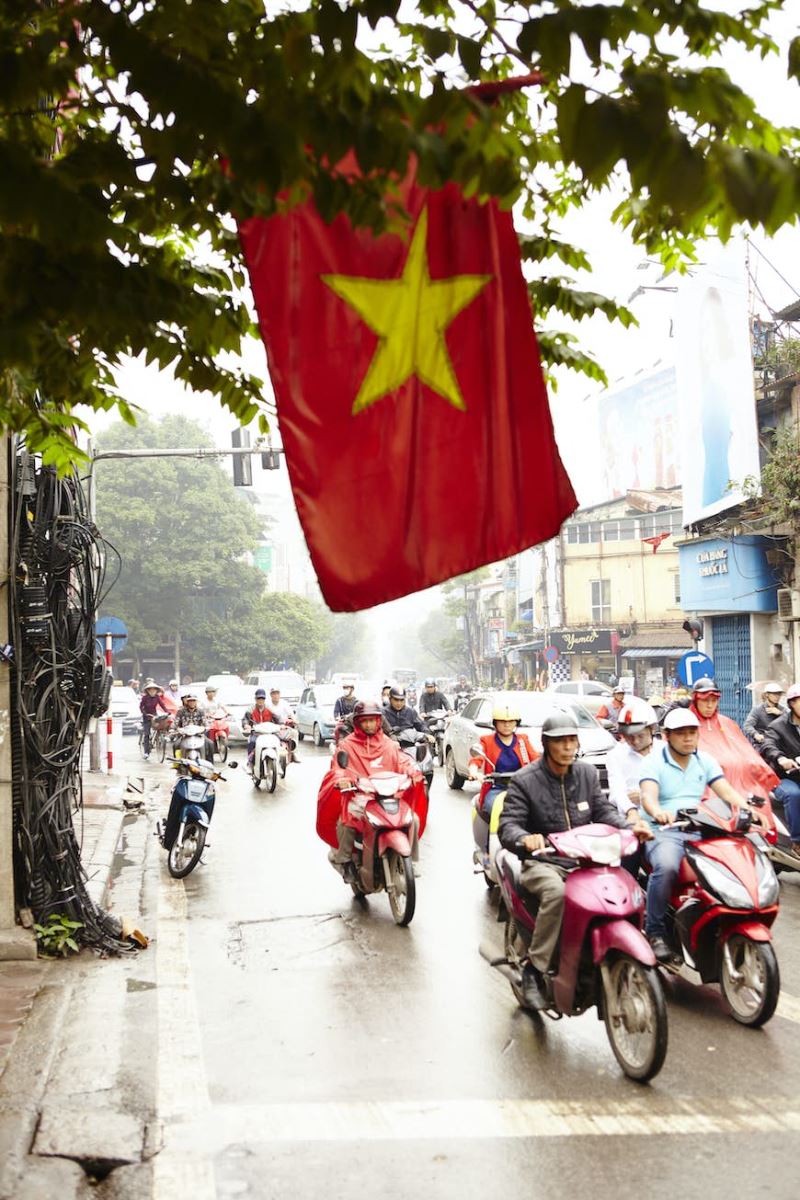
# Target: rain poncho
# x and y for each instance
(742, 765)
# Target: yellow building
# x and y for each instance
(621, 610)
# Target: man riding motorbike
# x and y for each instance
(190, 713)
(612, 708)
(762, 715)
(259, 714)
(503, 751)
(637, 726)
(283, 713)
(346, 702)
(369, 750)
(675, 776)
(719, 736)
(399, 715)
(432, 699)
(551, 795)
(782, 751)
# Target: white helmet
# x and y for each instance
(681, 718)
(635, 716)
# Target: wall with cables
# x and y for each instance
(58, 571)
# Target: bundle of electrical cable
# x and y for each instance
(58, 582)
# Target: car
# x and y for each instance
(290, 683)
(591, 692)
(238, 699)
(226, 679)
(465, 728)
(315, 712)
(124, 707)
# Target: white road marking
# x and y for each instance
(788, 1007)
(458, 1120)
(178, 1174)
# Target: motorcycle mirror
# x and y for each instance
(422, 752)
(342, 758)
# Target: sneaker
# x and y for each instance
(662, 951)
(533, 994)
(147, 756)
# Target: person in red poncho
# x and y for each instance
(369, 750)
(742, 765)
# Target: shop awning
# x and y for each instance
(655, 652)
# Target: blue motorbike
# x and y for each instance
(191, 808)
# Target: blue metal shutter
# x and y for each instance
(732, 664)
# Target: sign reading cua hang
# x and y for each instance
(581, 641)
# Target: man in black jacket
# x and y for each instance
(551, 795)
(781, 749)
(431, 699)
(399, 715)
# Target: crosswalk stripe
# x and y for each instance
(788, 1007)
(481, 1119)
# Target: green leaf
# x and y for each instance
(469, 51)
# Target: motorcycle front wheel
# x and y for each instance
(403, 890)
(186, 852)
(635, 1015)
(222, 747)
(272, 775)
(750, 979)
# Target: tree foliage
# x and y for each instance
(293, 631)
(183, 533)
(350, 647)
(116, 193)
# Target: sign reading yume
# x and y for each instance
(579, 641)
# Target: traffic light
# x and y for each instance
(242, 463)
(694, 627)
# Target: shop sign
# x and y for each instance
(581, 641)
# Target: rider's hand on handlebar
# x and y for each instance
(662, 817)
(534, 842)
(642, 830)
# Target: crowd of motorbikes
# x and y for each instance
(720, 917)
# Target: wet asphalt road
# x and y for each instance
(340, 1055)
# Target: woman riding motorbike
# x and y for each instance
(503, 751)
(742, 765)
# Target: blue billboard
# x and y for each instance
(728, 576)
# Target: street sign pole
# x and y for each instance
(109, 718)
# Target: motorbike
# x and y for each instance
(724, 904)
(778, 838)
(414, 741)
(270, 755)
(436, 723)
(461, 698)
(191, 807)
(382, 853)
(484, 830)
(605, 961)
(218, 733)
(189, 741)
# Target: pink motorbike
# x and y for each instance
(218, 733)
(605, 961)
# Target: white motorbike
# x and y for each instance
(270, 754)
(190, 742)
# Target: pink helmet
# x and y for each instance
(793, 692)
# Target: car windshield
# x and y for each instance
(326, 693)
(534, 707)
(236, 695)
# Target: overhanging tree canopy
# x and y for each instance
(109, 186)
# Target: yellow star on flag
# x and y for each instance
(410, 315)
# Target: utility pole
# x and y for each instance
(15, 942)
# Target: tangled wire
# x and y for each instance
(58, 582)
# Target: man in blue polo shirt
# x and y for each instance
(675, 776)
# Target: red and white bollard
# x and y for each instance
(109, 718)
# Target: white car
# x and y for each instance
(591, 693)
(466, 727)
(238, 699)
(124, 707)
(290, 684)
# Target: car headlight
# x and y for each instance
(722, 882)
(768, 886)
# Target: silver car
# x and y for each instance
(475, 719)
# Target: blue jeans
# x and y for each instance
(664, 854)
(788, 792)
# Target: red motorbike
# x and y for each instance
(382, 854)
(724, 904)
(605, 960)
(218, 733)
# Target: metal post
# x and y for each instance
(109, 718)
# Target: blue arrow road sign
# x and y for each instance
(118, 630)
(694, 666)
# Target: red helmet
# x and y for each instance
(366, 708)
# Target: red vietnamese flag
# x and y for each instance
(410, 393)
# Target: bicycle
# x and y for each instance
(159, 738)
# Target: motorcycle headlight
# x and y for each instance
(722, 882)
(768, 886)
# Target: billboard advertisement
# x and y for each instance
(637, 431)
(719, 442)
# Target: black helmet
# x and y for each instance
(430, 683)
(703, 686)
(366, 708)
(397, 693)
(559, 724)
